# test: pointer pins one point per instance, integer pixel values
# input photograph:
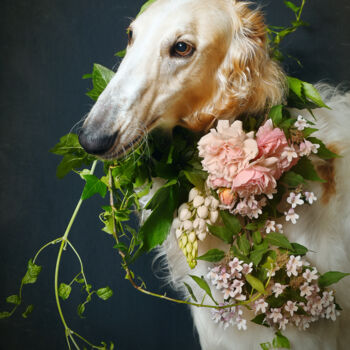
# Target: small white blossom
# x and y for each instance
(291, 215)
(198, 201)
(310, 275)
(278, 289)
(213, 216)
(291, 307)
(187, 225)
(315, 147)
(202, 212)
(184, 214)
(275, 314)
(247, 268)
(192, 237)
(283, 323)
(241, 324)
(289, 153)
(327, 298)
(293, 264)
(193, 193)
(270, 226)
(260, 305)
(301, 123)
(214, 203)
(279, 228)
(294, 199)
(201, 235)
(310, 197)
(199, 224)
(305, 290)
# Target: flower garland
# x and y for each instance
(244, 169)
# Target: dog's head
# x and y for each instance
(188, 62)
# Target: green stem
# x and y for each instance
(301, 10)
(45, 246)
(58, 261)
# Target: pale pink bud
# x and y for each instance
(227, 196)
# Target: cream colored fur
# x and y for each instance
(230, 74)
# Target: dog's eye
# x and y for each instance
(182, 49)
(129, 32)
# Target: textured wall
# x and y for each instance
(46, 46)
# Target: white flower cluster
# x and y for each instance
(191, 223)
(229, 279)
(317, 304)
(296, 199)
(229, 316)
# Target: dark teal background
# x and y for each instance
(46, 46)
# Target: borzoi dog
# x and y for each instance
(190, 62)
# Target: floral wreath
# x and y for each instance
(239, 183)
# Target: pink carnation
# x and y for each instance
(226, 150)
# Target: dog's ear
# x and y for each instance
(248, 79)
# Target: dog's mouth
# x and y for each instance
(130, 146)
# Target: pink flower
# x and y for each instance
(225, 151)
(271, 141)
(227, 197)
(253, 181)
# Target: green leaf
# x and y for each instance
(13, 299)
(196, 178)
(104, 293)
(323, 152)
(306, 169)
(311, 93)
(292, 179)
(331, 277)
(157, 226)
(255, 283)
(4, 314)
(276, 114)
(221, 232)
(67, 164)
(257, 255)
(161, 196)
(299, 249)
(145, 6)
(243, 244)
(81, 310)
(64, 291)
(292, 6)
(68, 144)
(308, 131)
(190, 291)
(204, 285)
(266, 346)
(101, 76)
(93, 185)
(295, 86)
(280, 341)
(28, 311)
(231, 222)
(259, 319)
(236, 252)
(257, 237)
(121, 53)
(251, 226)
(212, 255)
(278, 240)
(32, 273)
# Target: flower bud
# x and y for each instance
(207, 201)
(178, 233)
(214, 203)
(189, 247)
(192, 237)
(184, 214)
(195, 246)
(198, 201)
(176, 223)
(187, 225)
(213, 216)
(193, 193)
(227, 197)
(183, 206)
(202, 212)
(184, 240)
(201, 235)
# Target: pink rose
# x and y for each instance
(254, 180)
(225, 151)
(271, 141)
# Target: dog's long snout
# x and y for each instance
(95, 144)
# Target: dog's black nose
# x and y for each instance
(95, 144)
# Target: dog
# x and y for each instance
(189, 63)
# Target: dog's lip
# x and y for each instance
(136, 140)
